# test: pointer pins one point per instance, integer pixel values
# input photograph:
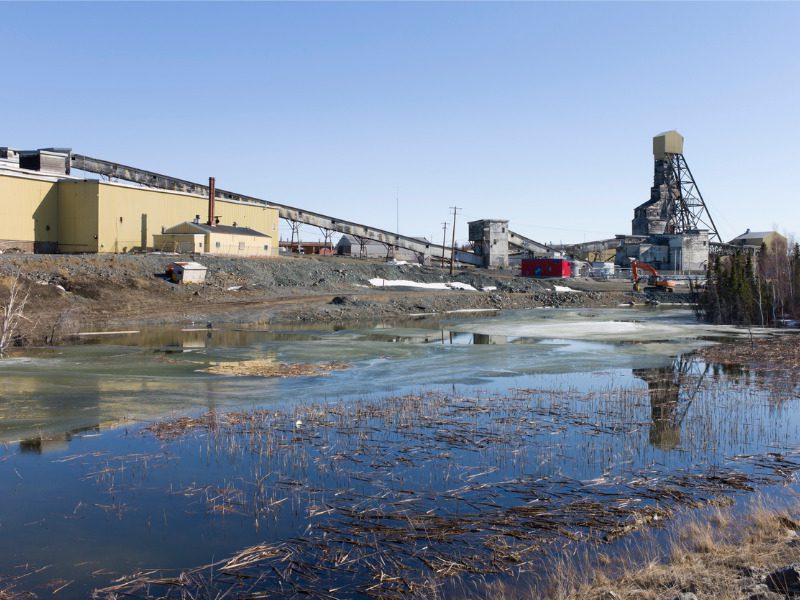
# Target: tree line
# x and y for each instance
(761, 290)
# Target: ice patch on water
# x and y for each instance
(601, 325)
(28, 361)
(606, 330)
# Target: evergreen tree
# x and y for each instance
(732, 293)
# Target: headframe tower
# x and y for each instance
(676, 205)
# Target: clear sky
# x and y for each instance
(539, 113)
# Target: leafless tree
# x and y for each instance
(12, 313)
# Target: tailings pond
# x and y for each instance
(371, 461)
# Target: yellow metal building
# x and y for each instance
(29, 208)
(48, 214)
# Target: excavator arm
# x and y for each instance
(636, 265)
(656, 282)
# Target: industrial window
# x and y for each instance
(241, 245)
(218, 245)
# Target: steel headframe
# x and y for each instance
(686, 208)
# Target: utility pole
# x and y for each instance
(444, 239)
(453, 245)
(397, 223)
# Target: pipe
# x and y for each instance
(212, 192)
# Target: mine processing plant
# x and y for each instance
(325, 223)
(52, 210)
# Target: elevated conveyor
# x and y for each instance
(520, 241)
(290, 213)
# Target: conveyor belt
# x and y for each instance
(290, 213)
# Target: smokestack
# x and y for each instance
(212, 191)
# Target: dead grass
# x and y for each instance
(9, 591)
(358, 475)
(270, 368)
(718, 555)
(778, 354)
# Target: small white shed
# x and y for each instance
(186, 272)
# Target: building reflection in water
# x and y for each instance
(483, 338)
(43, 411)
(52, 443)
(668, 406)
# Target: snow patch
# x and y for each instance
(453, 285)
(456, 285)
(400, 263)
(564, 288)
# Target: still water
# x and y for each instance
(596, 414)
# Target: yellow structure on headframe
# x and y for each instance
(44, 213)
(669, 142)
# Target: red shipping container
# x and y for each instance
(546, 267)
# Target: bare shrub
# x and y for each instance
(55, 330)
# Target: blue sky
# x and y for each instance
(539, 113)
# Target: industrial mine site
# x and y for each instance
(102, 243)
(334, 300)
(193, 407)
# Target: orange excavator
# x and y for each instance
(655, 283)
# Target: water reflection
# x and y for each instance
(782, 383)
(431, 477)
(53, 443)
(483, 338)
(47, 400)
(575, 431)
(668, 407)
(162, 370)
(187, 345)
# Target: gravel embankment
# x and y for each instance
(109, 291)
